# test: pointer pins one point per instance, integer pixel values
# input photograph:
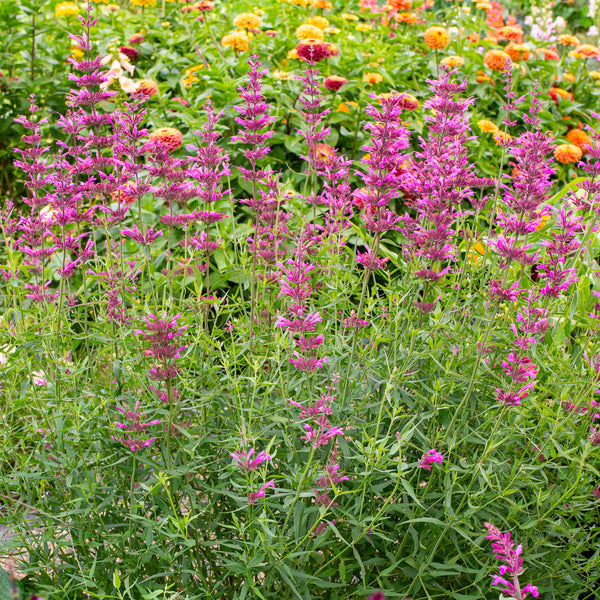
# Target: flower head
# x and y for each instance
(511, 32)
(320, 22)
(309, 32)
(436, 38)
(505, 551)
(247, 21)
(587, 51)
(312, 51)
(260, 493)
(246, 462)
(66, 9)
(568, 40)
(517, 52)
(169, 137)
(146, 88)
(372, 78)
(581, 139)
(487, 126)
(237, 40)
(555, 93)
(429, 458)
(567, 153)
(497, 60)
(334, 82)
(452, 62)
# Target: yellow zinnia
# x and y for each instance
(372, 78)
(452, 62)
(320, 22)
(309, 32)
(238, 40)
(247, 21)
(66, 9)
(487, 126)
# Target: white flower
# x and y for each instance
(116, 72)
(593, 31)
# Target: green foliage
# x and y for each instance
(89, 518)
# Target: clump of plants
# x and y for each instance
(325, 393)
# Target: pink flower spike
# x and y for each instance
(254, 496)
(246, 462)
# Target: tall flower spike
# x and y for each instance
(254, 119)
(311, 111)
(505, 551)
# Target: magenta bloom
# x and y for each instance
(429, 458)
(135, 444)
(245, 461)
(254, 496)
(302, 324)
(136, 418)
(354, 322)
(307, 363)
(161, 335)
(145, 239)
(135, 425)
(320, 438)
(505, 551)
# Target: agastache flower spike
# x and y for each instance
(246, 462)
(254, 119)
(136, 425)
(260, 493)
(505, 551)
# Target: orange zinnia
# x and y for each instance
(436, 38)
(147, 87)
(581, 139)
(399, 4)
(406, 17)
(568, 40)
(497, 60)
(555, 93)
(567, 153)
(169, 137)
(517, 52)
(511, 32)
(487, 126)
(549, 53)
(587, 50)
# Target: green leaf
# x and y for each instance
(116, 580)
(7, 588)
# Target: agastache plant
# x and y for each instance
(383, 179)
(255, 132)
(209, 165)
(438, 179)
(508, 577)
(314, 132)
(161, 337)
(522, 210)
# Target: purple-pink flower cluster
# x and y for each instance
(505, 551)
(135, 425)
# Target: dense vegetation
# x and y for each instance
(299, 300)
